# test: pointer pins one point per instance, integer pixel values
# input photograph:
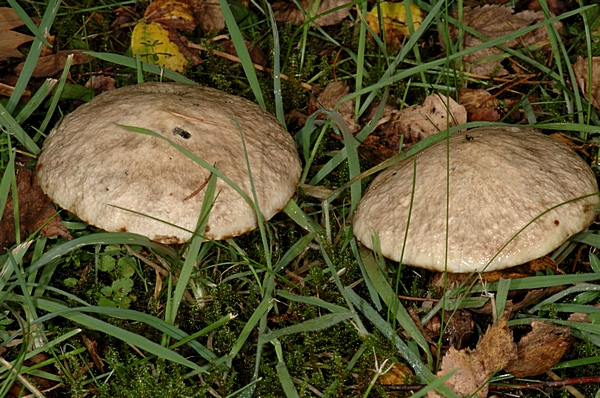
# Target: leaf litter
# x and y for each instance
(536, 353)
(9, 39)
(493, 22)
(35, 211)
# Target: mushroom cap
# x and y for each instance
(89, 165)
(500, 180)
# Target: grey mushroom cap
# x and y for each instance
(503, 183)
(91, 166)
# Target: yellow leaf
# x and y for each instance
(394, 19)
(151, 42)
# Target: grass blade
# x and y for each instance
(389, 298)
(412, 357)
(146, 67)
(242, 52)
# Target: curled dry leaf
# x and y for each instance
(412, 124)
(474, 367)
(590, 90)
(9, 40)
(495, 21)
(458, 328)
(287, 11)
(35, 209)
(92, 347)
(541, 349)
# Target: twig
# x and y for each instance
(195, 119)
(201, 187)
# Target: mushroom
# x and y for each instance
(511, 200)
(120, 180)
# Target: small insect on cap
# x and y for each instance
(94, 168)
(503, 183)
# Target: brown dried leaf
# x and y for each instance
(286, 11)
(92, 348)
(556, 7)
(121, 25)
(413, 124)
(540, 349)
(35, 209)
(328, 98)
(211, 18)
(474, 367)
(256, 55)
(101, 84)
(9, 40)
(494, 21)
(40, 382)
(54, 64)
(480, 105)
(591, 91)
(458, 326)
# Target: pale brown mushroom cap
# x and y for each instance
(500, 180)
(89, 164)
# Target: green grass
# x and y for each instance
(232, 317)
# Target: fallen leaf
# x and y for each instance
(43, 383)
(287, 11)
(156, 38)
(211, 18)
(256, 55)
(35, 209)
(479, 104)
(396, 375)
(92, 348)
(541, 349)
(458, 328)
(591, 91)
(474, 367)
(329, 97)
(411, 125)
(9, 40)
(51, 65)
(150, 41)
(395, 21)
(177, 14)
(121, 25)
(101, 84)
(580, 316)
(315, 191)
(495, 21)
(556, 7)
(530, 268)
(47, 50)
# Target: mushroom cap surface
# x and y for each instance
(89, 164)
(500, 180)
